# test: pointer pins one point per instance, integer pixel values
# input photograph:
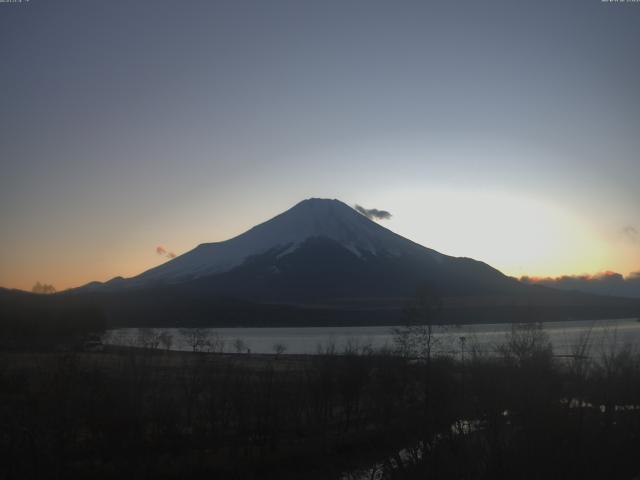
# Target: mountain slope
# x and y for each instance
(319, 251)
(321, 270)
(284, 233)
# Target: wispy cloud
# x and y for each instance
(160, 250)
(373, 213)
(631, 233)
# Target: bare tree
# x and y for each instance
(148, 338)
(43, 288)
(279, 348)
(239, 345)
(215, 343)
(526, 342)
(166, 339)
(416, 338)
(196, 338)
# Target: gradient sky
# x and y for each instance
(500, 130)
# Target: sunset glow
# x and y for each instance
(488, 147)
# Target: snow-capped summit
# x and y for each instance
(311, 218)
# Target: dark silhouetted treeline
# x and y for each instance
(153, 413)
(180, 307)
(46, 320)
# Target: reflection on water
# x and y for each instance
(603, 335)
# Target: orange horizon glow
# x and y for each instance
(518, 235)
(532, 279)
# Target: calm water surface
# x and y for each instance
(603, 335)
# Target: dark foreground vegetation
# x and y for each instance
(29, 321)
(151, 413)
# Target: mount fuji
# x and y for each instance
(322, 262)
(286, 233)
(320, 249)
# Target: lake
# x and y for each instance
(604, 335)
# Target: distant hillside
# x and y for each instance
(607, 283)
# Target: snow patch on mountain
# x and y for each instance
(308, 219)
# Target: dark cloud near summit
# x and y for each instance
(373, 213)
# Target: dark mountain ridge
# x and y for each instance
(323, 263)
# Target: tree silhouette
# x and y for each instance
(43, 288)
